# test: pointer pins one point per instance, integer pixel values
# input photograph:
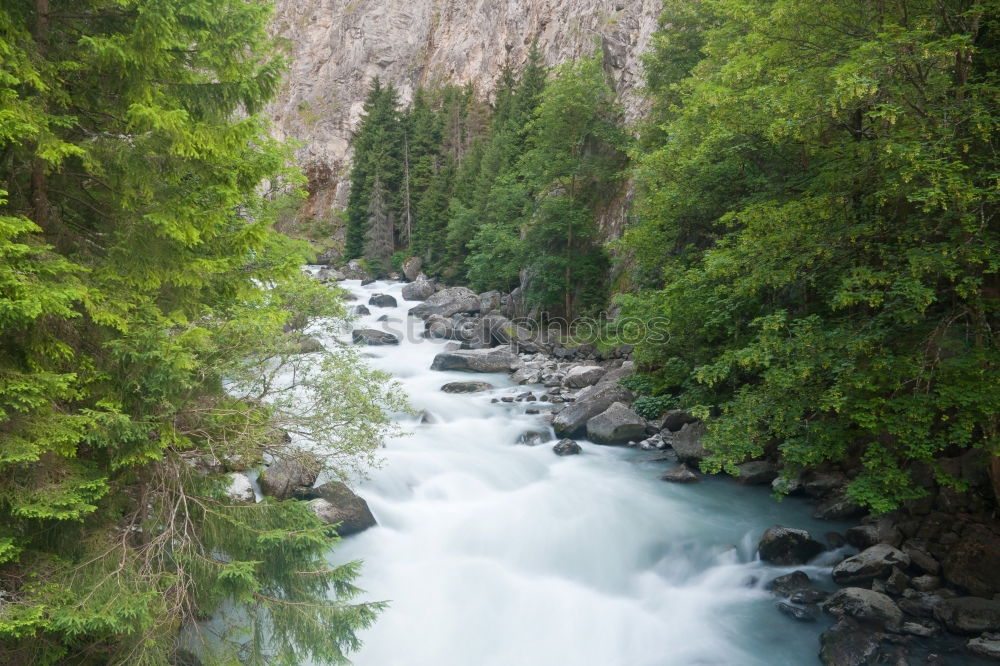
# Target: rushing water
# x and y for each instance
(494, 553)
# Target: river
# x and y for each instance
(494, 553)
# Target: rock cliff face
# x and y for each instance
(338, 46)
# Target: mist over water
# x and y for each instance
(494, 553)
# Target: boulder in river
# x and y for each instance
(786, 545)
(360, 310)
(675, 419)
(869, 564)
(412, 268)
(582, 376)
(466, 387)
(757, 473)
(687, 443)
(785, 586)
(848, 643)
(867, 606)
(589, 403)
(290, 477)
(566, 447)
(797, 612)
(680, 474)
(369, 336)
(475, 360)
(448, 302)
(987, 645)
(490, 301)
(418, 291)
(382, 301)
(355, 270)
(616, 425)
(337, 503)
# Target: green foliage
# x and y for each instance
(151, 327)
(650, 407)
(818, 225)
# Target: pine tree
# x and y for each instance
(137, 344)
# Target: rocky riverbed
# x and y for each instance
(916, 586)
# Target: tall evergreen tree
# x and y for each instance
(139, 349)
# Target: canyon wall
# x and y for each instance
(337, 47)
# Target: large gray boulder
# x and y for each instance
(583, 376)
(490, 301)
(589, 403)
(475, 360)
(566, 447)
(289, 477)
(675, 419)
(370, 336)
(786, 545)
(868, 606)
(974, 562)
(337, 503)
(757, 473)
(969, 616)
(686, 442)
(680, 474)
(869, 564)
(382, 301)
(448, 302)
(355, 270)
(495, 329)
(418, 291)
(616, 425)
(412, 268)
(466, 387)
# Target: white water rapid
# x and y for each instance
(494, 553)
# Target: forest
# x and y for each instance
(814, 194)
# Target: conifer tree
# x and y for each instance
(140, 352)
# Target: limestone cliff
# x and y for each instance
(338, 46)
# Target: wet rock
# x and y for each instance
(355, 270)
(838, 507)
(680, 474)
(969, 615)
(687, 443)
(920, 558)
(490, 301)
(797, 612)
(817, 483)
(369, 336)
(426, 418)
(809, 595)
(412, 268)
(419, 290)
(785, 586)
(848, 643)
(786, 545)
(467, 387)
(787, 486)
(339, 504)
(448, 302)
(925, 583)
(583, 376)
(869, 564)
(330, 275)
(923, 604)
(289, 477)
(920, 629)
(866, 606)
(382, 301)
(616, 425)
(973, 563)
(534, 437)
(566, 447)
(675, 419)
(360, 310)
(475, 360)
(987, 645)
(572, 421)
(756, 473)
(240, 489)
(876, 530)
